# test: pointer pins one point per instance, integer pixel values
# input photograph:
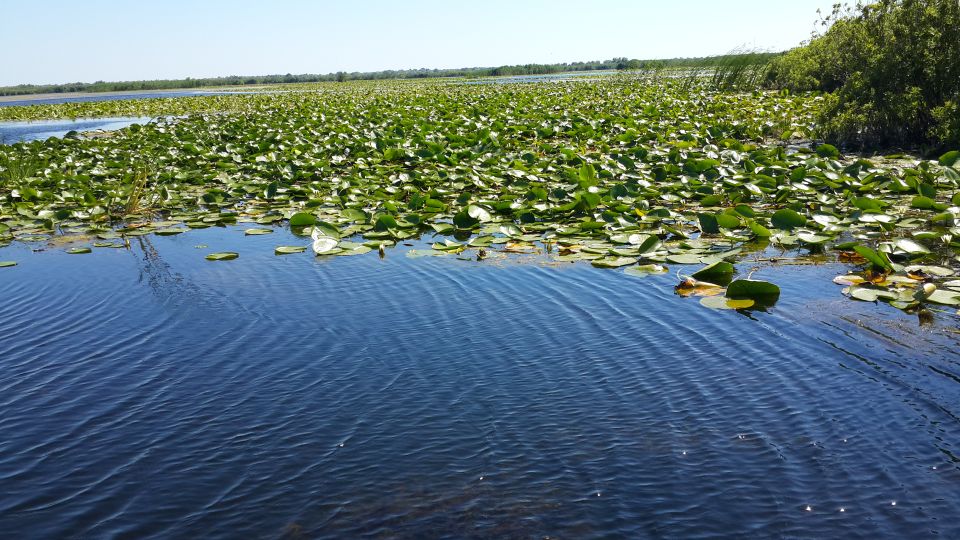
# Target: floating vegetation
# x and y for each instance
(628, 172)
(222, 256)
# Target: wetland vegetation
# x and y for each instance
(645, 172)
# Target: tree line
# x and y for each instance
(236, 80)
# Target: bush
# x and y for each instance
(893, 70)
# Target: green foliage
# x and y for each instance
(893, 71)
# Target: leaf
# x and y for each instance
(7, 264)
(322, 228)
(324, 244)
(711, 272)
(762, 292)
(709, 223)
(478, 213)
(684, 258)
(302, 219)
(866, 294)
(645, 270)
(940, 296)
(287, 250)
(721, 302)
(463, 220)
(911, 246)
(727, 221)
(257, 232)
(222, 256)
(950, 158)
(787, 219)
(169, 232)
(79, 250)
(828, 151)
(878, 260)
(613, 262)
(759, 230)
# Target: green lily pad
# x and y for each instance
(257, 232)
(722, 302)
(715, 272)
(762, 293)
(79, 250)
(302, 219)
(787, 219)
(287, 250)
(613, 262)
(222, 256)
(645, 270)
(7, 264)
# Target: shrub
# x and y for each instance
(893, 71)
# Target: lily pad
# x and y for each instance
(324, 244)
(222, 256)
(257, 232)
(645, 270)
(715, 272)
(763, 293)
(79, 250)
(7, 264)
(287, 250)
(722, 302)
(787, 219)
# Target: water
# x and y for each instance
(546, 77)
(150, 393)
(82, 98)
(13, 132)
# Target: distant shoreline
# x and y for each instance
(63, 95)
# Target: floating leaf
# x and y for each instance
(644, 270)
(169, 232)
(256, 232)
(7, 264)
(287, 250)
(222, 256)
(79, 250)
(867, 294)
(787, 219)
(324, 244)
(613, 262)
(302, 219)
(722, 302)
(715, 272)
(762, 292)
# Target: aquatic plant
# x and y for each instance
(631, 171)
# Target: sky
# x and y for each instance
(59, 41)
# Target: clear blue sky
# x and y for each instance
(56, 41)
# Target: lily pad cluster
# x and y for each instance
(626, 172)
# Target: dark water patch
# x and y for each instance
(152, 393)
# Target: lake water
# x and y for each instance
(149, 393)
(546, 77)
(13, 132)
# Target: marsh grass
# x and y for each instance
(18, 167)
(741, 69)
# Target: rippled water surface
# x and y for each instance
(151, 393)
